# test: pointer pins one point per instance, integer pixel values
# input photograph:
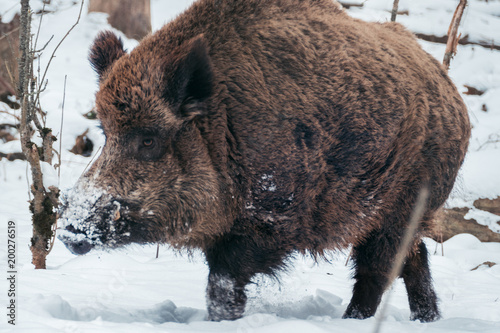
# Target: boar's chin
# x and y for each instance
(91, 218)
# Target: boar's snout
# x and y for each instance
(80, 247)
(82, 222)
(90, 218)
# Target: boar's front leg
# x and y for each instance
(227, 279)
(226, 297)
(233, 261)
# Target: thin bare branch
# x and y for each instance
(59, 44)
(43, 48)
(92, 159)
(6, 34)
(10, 114)
(61, 131)
(39, 25)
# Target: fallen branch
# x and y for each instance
(13, 156)
(473, 91)
(348, 5)
(490, 205)
(462, 41)
(452, 221)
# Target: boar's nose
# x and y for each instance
(80, 247)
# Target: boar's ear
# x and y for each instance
(107, 48)
(192, 79)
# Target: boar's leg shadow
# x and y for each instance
(233, 261)
(373, 261)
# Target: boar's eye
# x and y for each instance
(148, 143)
(148, 147)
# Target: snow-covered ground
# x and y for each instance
(129, 290)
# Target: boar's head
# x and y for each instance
(154, 180)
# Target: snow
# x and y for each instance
(49, 175)
(129, 290)
(267, 183)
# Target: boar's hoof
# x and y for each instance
(225, 299)
(426, 315)
(80, 247)
(353, 312)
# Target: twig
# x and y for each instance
(451, 45)
(348, 257)
(441, 241)
(11, 114)
(43, 48)
(61, 132)
(6, 34)
(9, 72)
(394, 12)
(416, 216)
(492, 138)
(93, 157)
(59, 44)
(39, 25)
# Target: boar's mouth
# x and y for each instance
(98, 221)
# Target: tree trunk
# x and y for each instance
(132, 17)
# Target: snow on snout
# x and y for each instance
(79, 206)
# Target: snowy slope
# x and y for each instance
(129, 290)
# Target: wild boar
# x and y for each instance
(255, 129)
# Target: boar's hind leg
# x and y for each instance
(233, 261)
(417, 278)
(373, 261)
